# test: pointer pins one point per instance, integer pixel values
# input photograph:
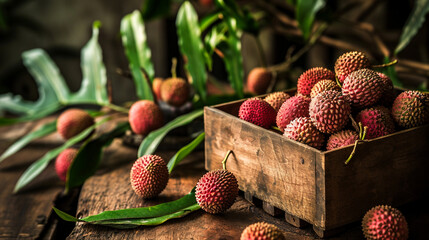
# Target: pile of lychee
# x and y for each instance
(329, 106)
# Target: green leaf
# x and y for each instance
(211, 40)
(233, 60)
(391, 73)
(87, 160)
(191, 46)
(244, 19)
(306, 11)
(93, 88)
(184, 151)
(155, 8)
(414, 23)
(138, 53)
(208, 20)
(133, 217)
(132, 223)
(151, 141)
(44, 130)
(37, 167)
(51, 86)
(65, 216)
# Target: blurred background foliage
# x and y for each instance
(283, 28)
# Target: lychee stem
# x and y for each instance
(117, 108)
(224, 160)
(386, 64)
(276, 128)
(173, 67)
(362, 135)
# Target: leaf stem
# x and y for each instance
(226, 158)
(117, 108)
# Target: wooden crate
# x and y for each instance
(316, 186)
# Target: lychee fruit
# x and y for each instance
(302, 130)
(262, 231)
(276, 99)
(216, 191)
(388, 92)
(145, 116)
(258, 112)
(72, 122)
(350, 62)
(329, 111)
(363, 88)
(294, 107)
(378, 121)
(384, 222)
(410, 109)
(63, 162)
(322, 86)
(258, 80)
(156, 87)
(341, 139)
(175, 91)
(149, 176)
(310, 77)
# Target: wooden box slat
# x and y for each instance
(313, 185)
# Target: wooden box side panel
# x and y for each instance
(266, 164)
(390, 170)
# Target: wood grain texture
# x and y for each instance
(25, 215)
(266, 164)
(112, 190)
(390, 170)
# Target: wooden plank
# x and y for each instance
(295, 221)
(272, 167)
(112, 190)
(390, 170)
(25, 215)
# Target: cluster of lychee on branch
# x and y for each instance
(333, 109)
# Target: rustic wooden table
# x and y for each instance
(28, 214)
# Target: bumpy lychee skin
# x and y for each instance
(276, 99)
(310, 77)
(410, 109)
(145, 116)
(156, 87)
(329, 111)
(341, 139)
(322, 86)
(384, 222)
(72, 122)
(258, 112)
(149, 176)
(363, 88)
(262, 231)
(302, 130)
(258, 80)
(388, 92)
(378, 121)
(175, 91)
(216, 191)
(350, 62)
(63, 162)
(294, 107)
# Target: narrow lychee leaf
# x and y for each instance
(208, 20)
(42, 131)
(138, 53)
(94, 83)
(65, 216)
(231, 49)
(184, 151)
(150, 142)
(37, 167)
(211, 40)
(146, 212)
(413, 24)
(89, 156)
(306, 11)
(191, 47)
(244, 18)
(132, 223)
